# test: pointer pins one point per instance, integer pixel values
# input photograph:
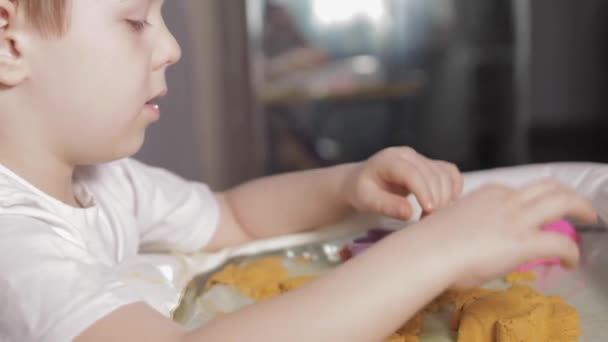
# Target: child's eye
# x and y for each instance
(138, 25)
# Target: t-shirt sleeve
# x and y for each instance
(51, 288)
(173, 214)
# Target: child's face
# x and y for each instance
(90, 86)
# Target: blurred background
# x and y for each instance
(268, 86)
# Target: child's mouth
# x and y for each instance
(156, 97)
(152, 105)
(153, 109)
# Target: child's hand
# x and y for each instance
(495, 229)
(381, 184)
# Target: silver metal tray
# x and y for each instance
(586, 288)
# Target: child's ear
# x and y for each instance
(12, 66)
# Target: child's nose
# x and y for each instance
(168, 51)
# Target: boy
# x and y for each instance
(79, 79)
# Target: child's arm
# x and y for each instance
(362, 301)
(306, 200)
(480, 238)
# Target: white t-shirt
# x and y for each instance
(63, 268)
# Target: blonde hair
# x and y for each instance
(47, 16)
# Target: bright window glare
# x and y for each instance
(337, 12)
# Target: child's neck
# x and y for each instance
(49, 175)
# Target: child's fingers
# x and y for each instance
(456, 179)
(548, 245)
(391, 205)
(556, 204)
(443, 183)
(428, 176)
(453, 178)
(398, 189)
(538, 189)
(405, 173)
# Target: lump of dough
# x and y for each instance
(513, 315)
(519, 277)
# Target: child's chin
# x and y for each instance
(136, 146)
(129, 147)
